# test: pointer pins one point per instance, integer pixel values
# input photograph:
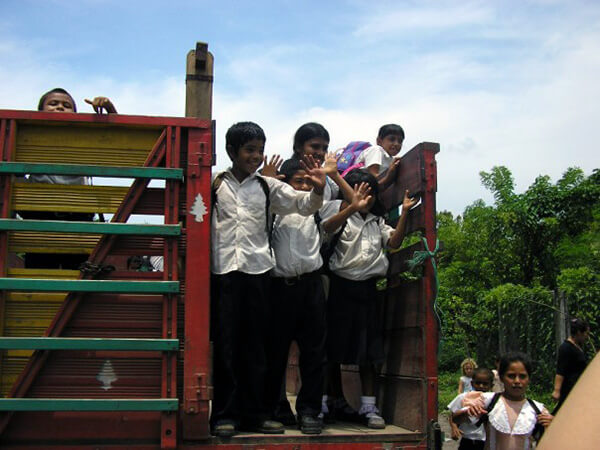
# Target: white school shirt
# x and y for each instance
(375, 154)
(358, 254)
(331, 190)
(470, 429)
(296, 243)
(239, 238)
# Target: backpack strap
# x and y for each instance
(269, 219)
(538, 430)
(214, 187)
(484, 418)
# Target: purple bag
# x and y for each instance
(346, 161)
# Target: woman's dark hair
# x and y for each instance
(509, 358)
(390, 128)
(289, 168)
(578, 326)
(358, 176)
(55, 91)
(308, 131)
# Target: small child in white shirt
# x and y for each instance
(354, 334)
(241, 258)
(381, 160)
(471, 435)
(298, 304)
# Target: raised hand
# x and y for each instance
(271, 168)
(330, 165)
(315, 175)
(408, 202)
(361, 197)
(100, 103)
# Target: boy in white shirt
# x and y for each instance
(471, 434)
(241, 258)
(298, 302)
(380, 160)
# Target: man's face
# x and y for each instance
(299, 181)
(58, 102)
(392, 144)
(249, 156)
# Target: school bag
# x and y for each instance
(216, 184)
(346, 161)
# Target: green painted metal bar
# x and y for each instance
(160, 173)
(115, 286)
(89, 227)
(91, 404)
(62, 343)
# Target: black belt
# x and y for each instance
(291, 281)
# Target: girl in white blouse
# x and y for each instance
(511, 417)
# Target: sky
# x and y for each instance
(512, 83)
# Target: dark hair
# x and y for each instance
(55, 91)
(242, 132)
(578, 326)
(308, 131)
(390, 128)
(484, 371)
(289, 168)
(512, 357)
(358, 176)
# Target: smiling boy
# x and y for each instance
(241, 259)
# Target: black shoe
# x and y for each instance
(283, 413)
(264, 426)
(310, 425)
(223, 429)
(343, 412)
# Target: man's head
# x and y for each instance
(483, 378)
(57, 100)
(295, 175)
(391, 137)
(245, 144)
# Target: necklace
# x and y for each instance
(570, 339)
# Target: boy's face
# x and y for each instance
(249, 157)
(392, 144)
(317, 147)
(58, 102)
(481, 383)
(299, 182)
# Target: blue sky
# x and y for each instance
(511, 83)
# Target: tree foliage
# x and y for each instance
(503, 264)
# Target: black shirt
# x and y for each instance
(571, 364)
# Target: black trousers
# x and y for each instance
(239, 325)
(470, 444)
(298, 309)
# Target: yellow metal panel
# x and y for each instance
(34, 242)
(67, 198)
(27, 314)
(57, 274)
(108, 146)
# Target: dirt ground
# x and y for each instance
(448, 443)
